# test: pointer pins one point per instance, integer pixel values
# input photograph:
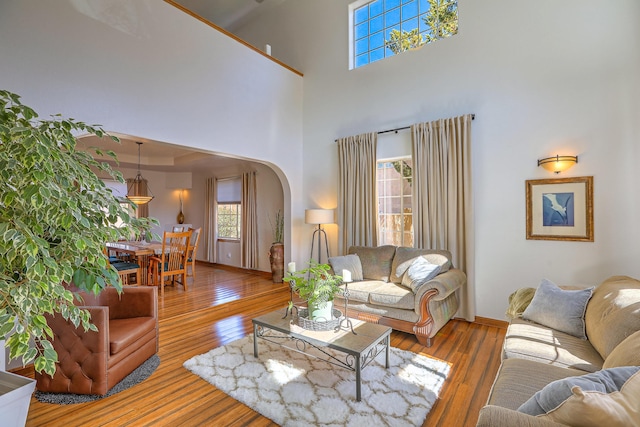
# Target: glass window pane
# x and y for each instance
(392, 17)
(362, 30)
(423, 25)
(409, 25)
(410, 10)
(361, 14)
(362, 60)
(376, 24)
(387, 31)
(377, 54)
(376, 40)
(362, 46)
(424, 5)
(375, 8)
(390, 4)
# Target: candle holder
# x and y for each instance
(291, 306)
(345, 319)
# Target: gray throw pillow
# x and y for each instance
(419, 272)
(559, 309)
(555, 393)
(347, 262)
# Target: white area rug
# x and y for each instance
(294, 389)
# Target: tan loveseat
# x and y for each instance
(535, 355)
(381, 297)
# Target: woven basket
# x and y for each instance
(318, 325)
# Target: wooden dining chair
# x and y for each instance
(191, 251)
(171, 262)
(125, 270)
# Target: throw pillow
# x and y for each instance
(607, 397)
(559, 309)
(437, 259)
(519, 301)
(419, 272)
(376, 261)
(347, 262)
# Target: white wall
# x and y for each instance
(543, 78)
(145, 68)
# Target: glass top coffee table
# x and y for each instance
(359, 348)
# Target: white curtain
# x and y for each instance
(443, 211)
(210, 220)
(249, 238)
(357, 197)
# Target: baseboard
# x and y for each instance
(487, 321)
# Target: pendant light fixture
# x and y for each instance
(138, 191)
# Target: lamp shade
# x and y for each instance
(318, 216)
(558, 163)
(138, 191)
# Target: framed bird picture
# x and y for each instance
(560, 209)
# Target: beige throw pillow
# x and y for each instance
(597, 409)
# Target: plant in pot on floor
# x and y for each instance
(276, 252)
(55, 217)
(317, 286)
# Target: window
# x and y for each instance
(229, 213)
(394, 202)
(382, 28)
(229, 216)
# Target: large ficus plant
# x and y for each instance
(55, 217)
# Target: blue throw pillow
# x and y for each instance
(555, 393)
(562, 310)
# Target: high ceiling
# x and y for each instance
(159, 156)
(229, 14)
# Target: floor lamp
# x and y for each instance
(319, 217)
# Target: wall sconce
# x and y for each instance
(558, 164)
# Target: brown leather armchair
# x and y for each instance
(93, 362)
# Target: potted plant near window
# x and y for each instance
(276, 252)
(317, 286)
(55, 217)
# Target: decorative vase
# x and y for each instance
(180, 217)
(276, 257)
(318, 312)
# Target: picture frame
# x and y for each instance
(560, 209)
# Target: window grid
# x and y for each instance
(374, 22)
(395, 220)
(229, 220)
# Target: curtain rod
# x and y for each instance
(473, 117)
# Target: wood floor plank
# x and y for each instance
(216, 309)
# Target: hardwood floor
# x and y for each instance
(216, 310)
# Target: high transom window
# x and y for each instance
(383, 28)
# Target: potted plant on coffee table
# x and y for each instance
(317, 286)
(56, 215)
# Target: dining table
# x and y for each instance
(140, 251)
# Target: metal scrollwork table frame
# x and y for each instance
(359, 348)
